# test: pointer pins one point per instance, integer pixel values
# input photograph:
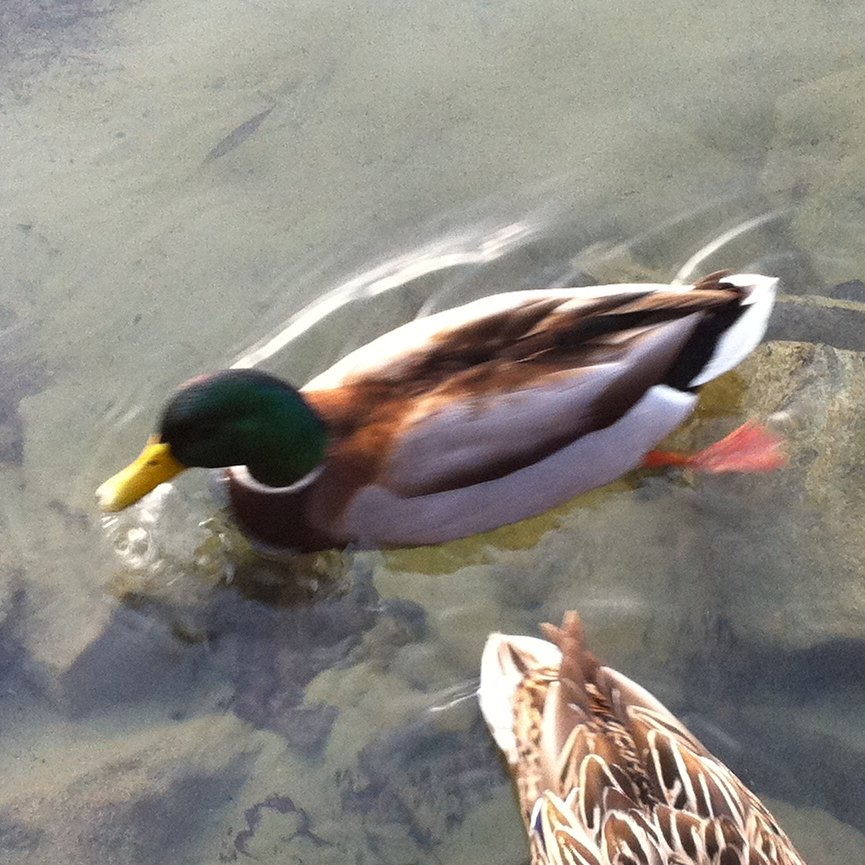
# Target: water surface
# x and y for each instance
(187, 187)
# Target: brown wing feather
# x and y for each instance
(633, 785)
(553, 333)
(530, 346)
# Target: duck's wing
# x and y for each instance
(629, 776)
(479, 392)
(557, 391)
(702, 806)
(519, 324)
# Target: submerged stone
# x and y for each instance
(145, 798)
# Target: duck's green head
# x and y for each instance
(228, 418)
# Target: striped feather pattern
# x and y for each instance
(605, 774)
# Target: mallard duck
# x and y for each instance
(605, 774)
(459, 422)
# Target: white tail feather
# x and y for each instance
(743, 337)
(500, 677)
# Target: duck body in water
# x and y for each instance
(462, 421)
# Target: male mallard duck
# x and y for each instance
(461, 421)
(605, 774)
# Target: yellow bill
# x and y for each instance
(154, 466)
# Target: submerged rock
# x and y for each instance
(820, 838)
(23, 373)
(145, 798)
(768, 560)
(790, 561)
(415, 787)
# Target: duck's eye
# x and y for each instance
(181, 440)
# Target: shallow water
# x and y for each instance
(272, 183)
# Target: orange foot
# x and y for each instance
(750, 448)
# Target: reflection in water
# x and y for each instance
(718, 244)
(393, 275)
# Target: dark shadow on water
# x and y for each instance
(155, 652)
(779, 755)
(424, 780)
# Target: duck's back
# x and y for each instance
(506, 407)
